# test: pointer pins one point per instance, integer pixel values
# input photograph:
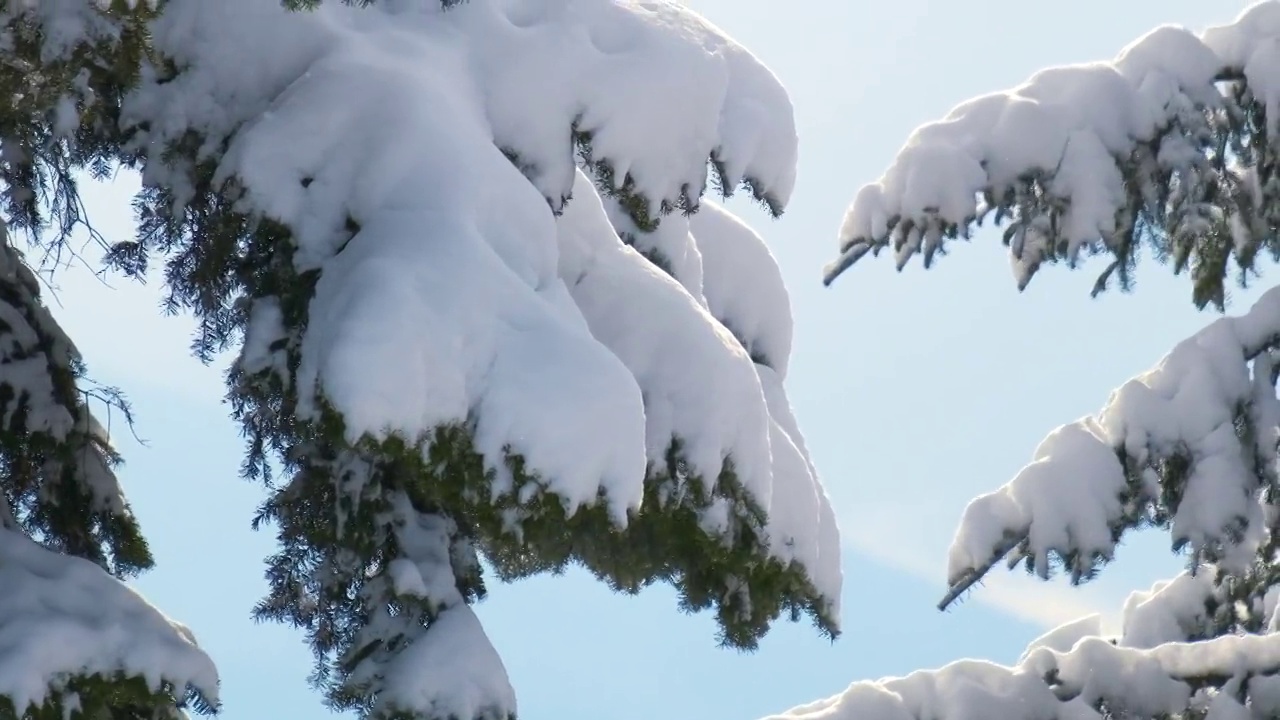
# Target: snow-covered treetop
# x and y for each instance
(1169, 146)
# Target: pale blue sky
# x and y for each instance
(915, 391)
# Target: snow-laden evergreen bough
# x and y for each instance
(1171, 148)
(75, 641)
(482, 315)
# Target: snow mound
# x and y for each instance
(1065, 636)
(1171, 611)
(444, 668)
(610, 60)
(451, 671)
(1152, 668)
(1185, 445)
(670, 246)
(1080, 134)
(802, 523)
(63, 618)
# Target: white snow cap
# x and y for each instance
(1077, 123)
(63, 617)
(451, 671)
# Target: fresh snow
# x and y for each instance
(451, 671)
(1172, 610)
(1154, 682)
(448, 669)
(713, 396)
(743, 285)
(63, 617)
(710, 396)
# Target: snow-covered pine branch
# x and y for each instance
(1184, 136)
(1171, 147)
(1190, 446)
(476, 321)
(73, 637)
(1169, 660)
(74, 640)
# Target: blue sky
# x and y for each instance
(915, 392)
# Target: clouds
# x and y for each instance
(914, 540)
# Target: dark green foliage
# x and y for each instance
(41, 156)
(119, 697)
(55, 469)
(725, 186)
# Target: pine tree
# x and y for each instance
(67, 536)
(476, 326)
(1169, 149)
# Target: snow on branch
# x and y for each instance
(1160, 664)
(1170, 146)
(1092, 678)
(60, 484)
(66, 626)
(711, 397)
(1189, 446)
